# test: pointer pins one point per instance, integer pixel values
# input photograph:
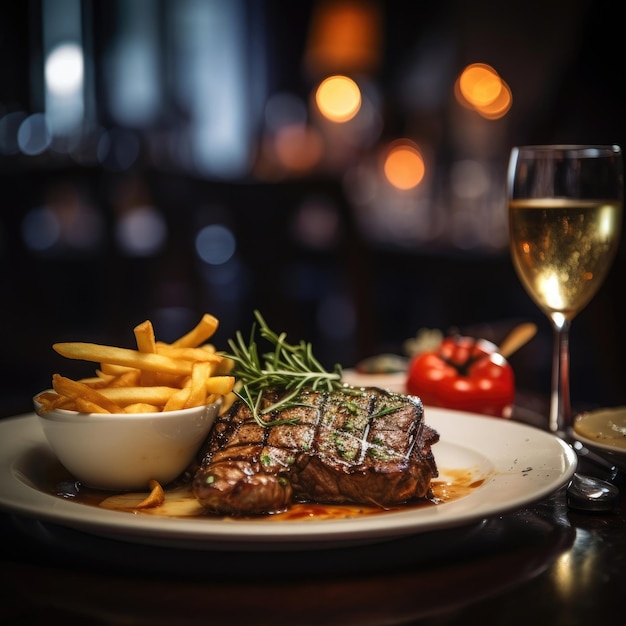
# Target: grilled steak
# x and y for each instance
(369, 446)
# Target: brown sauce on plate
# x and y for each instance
(180, 503)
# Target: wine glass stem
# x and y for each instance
(560, 409)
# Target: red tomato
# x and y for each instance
(466, 374)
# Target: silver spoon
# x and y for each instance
(587, 493)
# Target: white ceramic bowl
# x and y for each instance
(123, 452)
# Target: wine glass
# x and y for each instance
(565, 215)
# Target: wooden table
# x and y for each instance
(544, 564)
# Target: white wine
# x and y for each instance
(562, 249)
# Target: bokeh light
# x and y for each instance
(338, 98)
(479, 87)
(141, 231)
(404, 165)
(500, 106)
(64, 69)
(41, 229)
(298, 148)
(215, 244)
(480, 84)
(33, 135)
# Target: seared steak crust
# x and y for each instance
(370, 447)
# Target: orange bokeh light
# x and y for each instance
(480, 84)
(500, 106)
(338, 98)
(345, 36)
(404, 165)
(480, 88)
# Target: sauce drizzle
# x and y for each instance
(180, 503)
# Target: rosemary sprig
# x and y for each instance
(289, 367)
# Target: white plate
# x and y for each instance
(395, 381)
(519, 465)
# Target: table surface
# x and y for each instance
(544, 564)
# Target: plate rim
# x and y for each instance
(24, 436)
(613, 455)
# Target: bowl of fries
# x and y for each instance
(125, 451)
(144, 415)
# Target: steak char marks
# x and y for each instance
(367, 446)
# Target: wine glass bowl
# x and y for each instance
(565, 217)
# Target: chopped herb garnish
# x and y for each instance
(384, 411)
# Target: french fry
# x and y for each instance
(123, 396)
(144, 337)
(108, 369)
(48, 397)
(227, 402)
(177, 400)
(50, 401)
(141, 407)
(198, 384)
(96, 382)
(156, 376)
(156, 497)
(225, 366)
(74, 389)
(220, 385)
(168, 380)
(87, 406)
(188, 354)
(205, 329)
(122, 356)
(131, 378)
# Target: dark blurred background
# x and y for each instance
(164, 158)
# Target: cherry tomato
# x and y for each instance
(466, 374)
